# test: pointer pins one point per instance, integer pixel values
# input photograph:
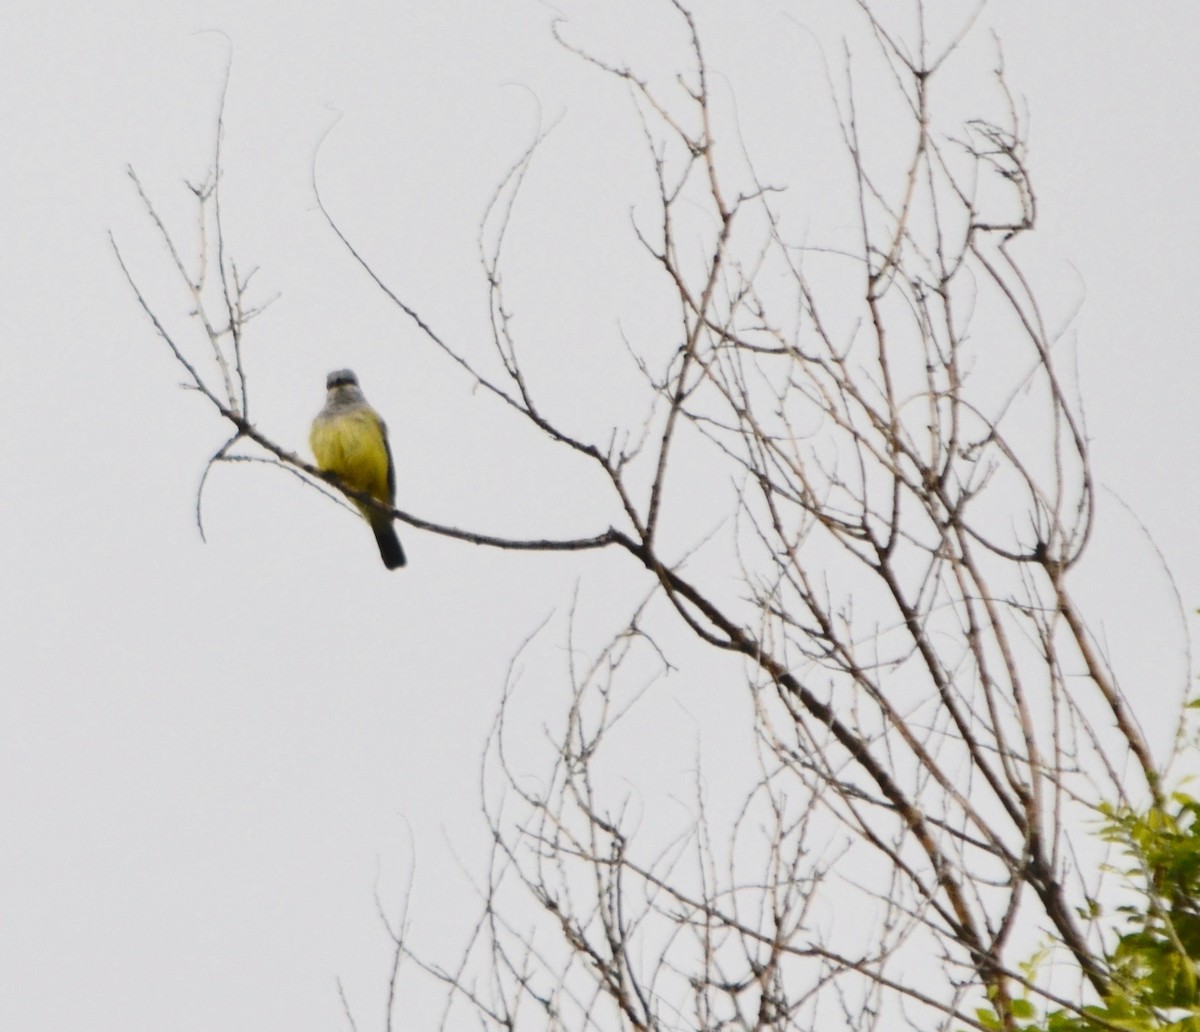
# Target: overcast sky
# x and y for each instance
(213, 754)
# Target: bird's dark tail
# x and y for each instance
(389, 544)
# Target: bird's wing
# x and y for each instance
(391, 470)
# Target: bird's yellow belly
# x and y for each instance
(353, 448)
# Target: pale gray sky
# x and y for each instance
(211, 754)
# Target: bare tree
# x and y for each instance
(909, 490)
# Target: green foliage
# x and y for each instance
(1152, 968)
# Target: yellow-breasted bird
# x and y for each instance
(349, 438)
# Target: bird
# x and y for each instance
(349, 438)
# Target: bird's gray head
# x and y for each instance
(341, 378)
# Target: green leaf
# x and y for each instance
(1023, 1009)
